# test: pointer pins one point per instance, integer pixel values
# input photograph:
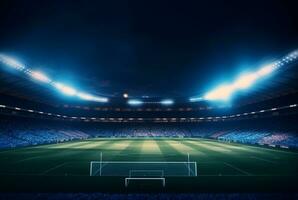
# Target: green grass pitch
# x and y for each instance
(216, 161)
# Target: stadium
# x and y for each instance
(104, 100)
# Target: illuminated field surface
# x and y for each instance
(220, 166)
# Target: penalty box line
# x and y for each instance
(53, 168)
(238, 169)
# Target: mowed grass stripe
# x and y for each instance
(210, 147)
(168, 152)
(118, 145)
(130, 153)
(150, 147)
(182, 148)
(246, 152)
(92, 145)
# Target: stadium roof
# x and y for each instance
(172, 50)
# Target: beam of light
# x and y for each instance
(245, 81)
(196, 99)
(36, 75)
(167, 102)
(223, 92)
(65, 89)
(40, 76)
(100, 99)
(11, 62)
(266, 70)
(90, 97)
(134, 102)
(85, 96)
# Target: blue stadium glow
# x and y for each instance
(40, 76)
(244, 81)
(65, 89)
(11, 62)
(134, 102)
(195, 99)
(167, 102)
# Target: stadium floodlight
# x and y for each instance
(85, 96)
(266, 70)
(245, 81)
(100, 99)
(195, 99)
(65, 89)
(134, 102)
(167, 102)
(221, 93)
(90, 97)
(125, 95)
(11, 62)
(40, 76)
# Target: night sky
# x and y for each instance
(154, 48)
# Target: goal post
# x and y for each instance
(143, 168)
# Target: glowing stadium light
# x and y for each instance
(245, 81)
(266, 70)
(11, 62)
(135, 102)
(221, 93)
(85, 96)
(100, 99)
(2, 106)
(65, 89)
(40, 76)
(125, 95)
(43, 78)
(90, 97)
(195, 99)
(167, 102)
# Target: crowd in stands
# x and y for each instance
(15, 133)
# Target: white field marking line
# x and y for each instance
(192, 172)
(25, 159)
(236, 168)
(53, 168)
(265, 160)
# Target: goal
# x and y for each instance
(143, 168)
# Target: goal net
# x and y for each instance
(142, 169)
